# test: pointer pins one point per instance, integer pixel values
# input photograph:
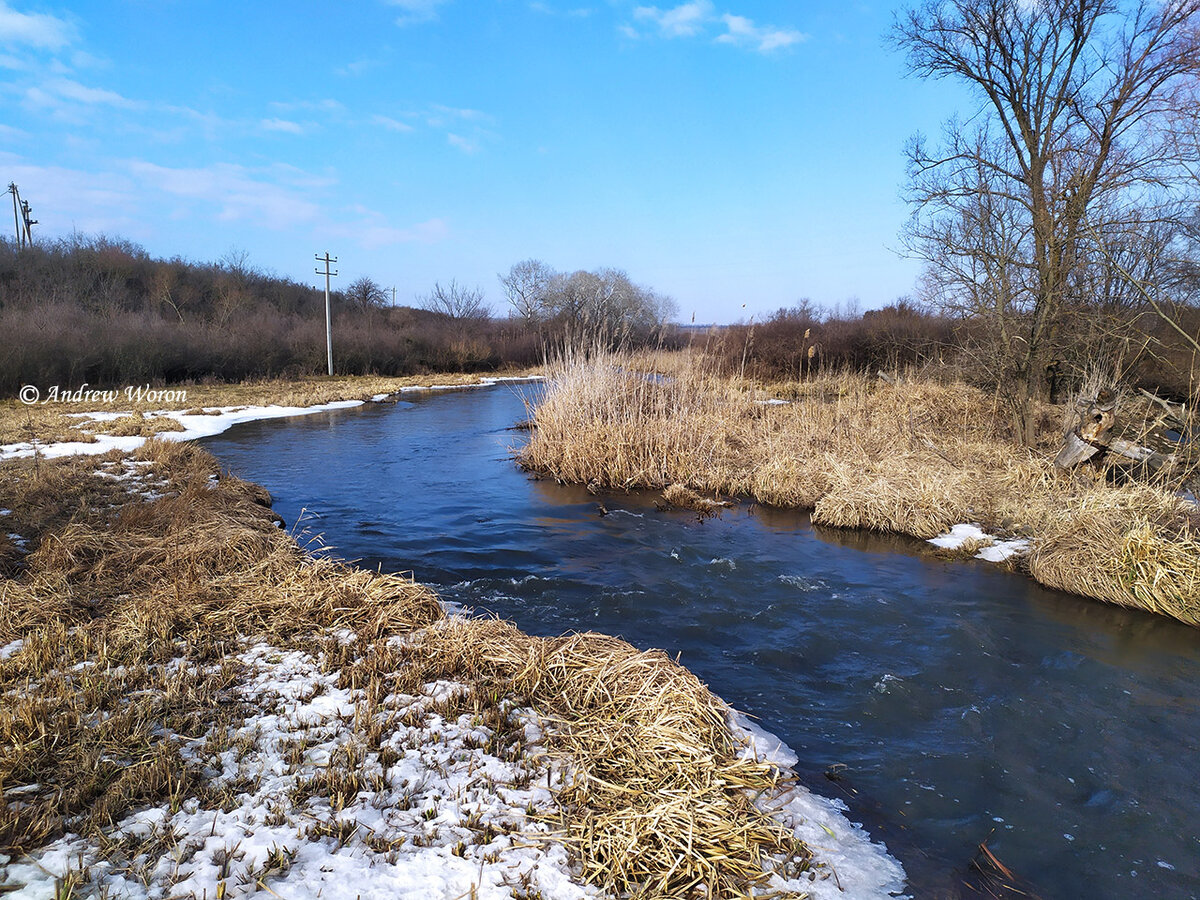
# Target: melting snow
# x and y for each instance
(996, 551)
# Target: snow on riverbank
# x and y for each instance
(210, 422)
(995, 549)
(438, 805)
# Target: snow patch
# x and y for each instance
(996, 551)
(863, 868)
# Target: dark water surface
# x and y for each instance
(966, 704)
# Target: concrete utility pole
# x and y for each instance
(327, 259)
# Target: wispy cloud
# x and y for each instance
(699, 17)
(438, 115)
(235, 193)
(327, 105)
(741, 31)
(413, 12)
(68, 99)
(281, 126)
(38, 30)
(685, 20)
(465, 144)
(373, 231)
(356, 67)
(391, 124)
(580, 12)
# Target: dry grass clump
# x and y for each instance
(1137, 552)
(900, 497)
(683, 497)
(139, 425)
(658, 803)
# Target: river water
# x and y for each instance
(953, 702)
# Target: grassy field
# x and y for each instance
(136, 617)
(912, 457)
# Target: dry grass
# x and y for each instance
(915, 458)
(659, 803)
(127, 614)
(132, 613)
(53, 421)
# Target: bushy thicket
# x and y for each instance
(794, 342)
(103, 311)
(1137, 346)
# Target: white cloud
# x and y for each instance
(391, 124)
(69, 199)
(357, 67)
(38, 30)
(743, 32)
(429, 232)
(67, 89)
(328, 105)
(685, 20)
(282, 126)
(466, 145)
(237, 193)
(416, 11)
(440, 113)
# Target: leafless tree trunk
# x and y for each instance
(1073, 94)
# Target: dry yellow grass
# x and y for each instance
(912, 458)
(131, 613)
(659, 803)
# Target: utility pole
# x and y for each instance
(327, 259)
(393, 295)
(23, 220)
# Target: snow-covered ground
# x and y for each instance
(213, 421)
(445, 808)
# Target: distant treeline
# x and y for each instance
(103, 311)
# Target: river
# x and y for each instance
(953, 702)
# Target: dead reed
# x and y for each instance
(908, 456)
(658, 803)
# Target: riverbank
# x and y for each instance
(913, 457)
(53, 421)
(195, 705)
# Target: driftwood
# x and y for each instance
(1093, 435)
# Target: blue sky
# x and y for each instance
(736, 155)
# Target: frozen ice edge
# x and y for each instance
(210, 424)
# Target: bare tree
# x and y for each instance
(1073, 94)
(526, 287)
(366, 293)
(457, 302)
